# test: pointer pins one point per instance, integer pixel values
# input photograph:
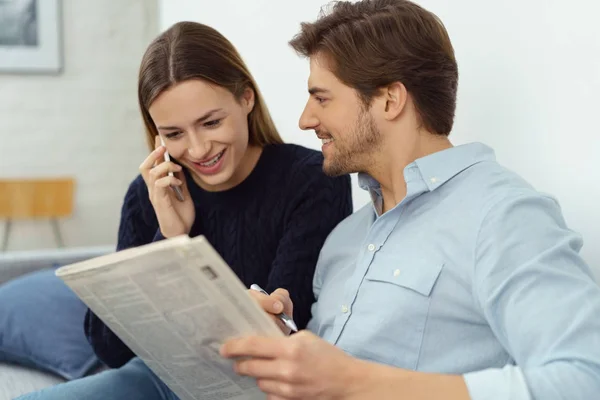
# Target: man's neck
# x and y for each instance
(393, 159)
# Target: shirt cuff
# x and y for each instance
(507, 383)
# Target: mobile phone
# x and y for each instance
(176, 189)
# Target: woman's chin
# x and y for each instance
(213, 182)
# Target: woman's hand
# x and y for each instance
(174, 217)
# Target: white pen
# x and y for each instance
(282, 316)
(177, 189)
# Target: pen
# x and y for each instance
(177, 189)
(282, 316)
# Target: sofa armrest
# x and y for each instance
(17, 263)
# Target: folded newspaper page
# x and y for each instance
(174, 303)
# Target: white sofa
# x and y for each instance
(16, 380)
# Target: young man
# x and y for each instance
(460, 281)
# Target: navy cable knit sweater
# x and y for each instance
(269, 229)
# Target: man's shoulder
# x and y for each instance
(353, 228)
(486, 183)
(494, 196)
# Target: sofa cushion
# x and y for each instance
(16, 380)
(41, 326)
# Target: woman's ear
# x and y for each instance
(248, 99)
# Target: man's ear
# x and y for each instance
(395, 96)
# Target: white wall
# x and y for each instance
(83, 123)
(529, 84)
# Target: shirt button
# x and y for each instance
(397, 272)
(371, 247)
(344, 309)
(433, 180)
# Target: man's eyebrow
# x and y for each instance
(316, 90)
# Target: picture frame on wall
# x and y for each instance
(30, 36)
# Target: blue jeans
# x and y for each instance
(132, 381)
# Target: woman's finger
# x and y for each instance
(181, 176)
(162, 169)
(150, 161)
(158, 144)
(167, 181)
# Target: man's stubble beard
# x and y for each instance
(357, 151)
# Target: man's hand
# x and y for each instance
(274, 304)
(302, 366)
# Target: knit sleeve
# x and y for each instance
(137, 227)
(320, 203)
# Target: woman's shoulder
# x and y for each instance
(309, 192)
(137, 189)
(295, 155)
(137, 201)
(302, 167)
(296, 163)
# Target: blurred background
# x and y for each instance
(71, 137)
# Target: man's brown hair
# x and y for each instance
(370, 44)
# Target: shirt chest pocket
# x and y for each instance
(392, 308)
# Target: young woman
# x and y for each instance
(265, 206)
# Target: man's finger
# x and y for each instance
(283, 327)
(278, 390)
(262, 368)
(271, 304)
(273, 397)
(283, 296)
(254, 346)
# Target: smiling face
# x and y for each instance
(205, 128)
(340, 119)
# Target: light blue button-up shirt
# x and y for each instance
(473, 273)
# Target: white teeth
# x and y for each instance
(325, 141)
(213, 161)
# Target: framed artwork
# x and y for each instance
(30, 36)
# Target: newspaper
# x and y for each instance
(174, 302)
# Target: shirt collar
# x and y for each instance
(438, 168)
